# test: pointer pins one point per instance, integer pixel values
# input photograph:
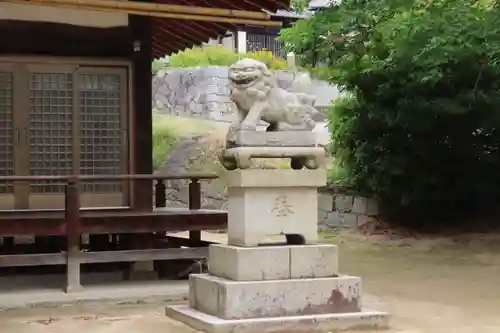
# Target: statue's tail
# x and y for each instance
(302, 87)
(306, 99)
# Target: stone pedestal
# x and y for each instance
(278, 288)
(288, 288)
(264, 203)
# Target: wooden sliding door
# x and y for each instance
(68, 119)
(102, 138)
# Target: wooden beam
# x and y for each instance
(211, 31)
(47, 38)
(174, 35)
(173, 45)
(161, 8)
(158, 43)
(180, 28)
(42, 259)
(51, 259)
(243, 5)
(206, 3)
(132, 222)
(179, 34)
(159, 50)
(151, 13)
(185, 29)
(142, 255)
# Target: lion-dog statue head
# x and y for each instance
(251, 76)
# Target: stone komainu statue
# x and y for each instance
(257, 96)
(288, 112)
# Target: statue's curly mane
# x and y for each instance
(263, 84)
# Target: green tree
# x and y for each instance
(299, 6)
(420, 130)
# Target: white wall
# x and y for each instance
(242, 42)
(22, 12)
(227, 42)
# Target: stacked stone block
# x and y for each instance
(345, 210)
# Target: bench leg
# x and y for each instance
(8, 244)
(73, 271)
(99, 242)
(195, 238)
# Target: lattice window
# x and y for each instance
(6, 130)
(50, 132)
(100, 106)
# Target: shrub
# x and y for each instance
(216, 55)
(159, 64)
(420, 130)
(268, 58)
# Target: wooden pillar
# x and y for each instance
(73, 235)
(160, 195)
(194, 203)
(142, 145)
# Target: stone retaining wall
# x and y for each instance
(204, 93)
(339, 210)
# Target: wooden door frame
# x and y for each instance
(21, 67)
(31, 199)
(8, 200)
(124, 126)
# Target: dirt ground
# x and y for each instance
(440, 285)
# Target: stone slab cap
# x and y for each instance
(240, 157)
(275, 152)
(370, 321)
(275, 139)
(275, 262)
(256, 299)
(274, 178)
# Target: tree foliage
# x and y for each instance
(420, 129)
(299, 6)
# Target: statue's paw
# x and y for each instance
(248, 127)
(243, 161)
(228, 162)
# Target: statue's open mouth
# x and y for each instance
(243, 80)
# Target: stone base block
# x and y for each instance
(340, 322)
(275, 139)
(254, 299)
(273, 262)
(264, 203)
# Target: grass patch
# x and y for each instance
(337, 175)
(163, 140)
(168, 130)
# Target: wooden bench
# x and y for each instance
(73, 222)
